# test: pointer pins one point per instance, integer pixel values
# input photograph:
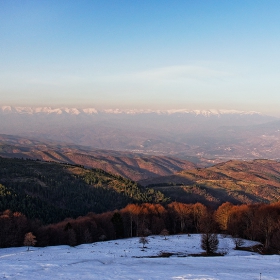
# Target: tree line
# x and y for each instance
(259, 222)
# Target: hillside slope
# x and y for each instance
(51, 191)
(125, 259)
(234, 181)
(130, 165)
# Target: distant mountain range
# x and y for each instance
(93, 111)
(212, 134)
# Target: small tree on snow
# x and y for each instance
(209, 242)
(238, 242)
(29, 240)
(144, 240)
(164, 233)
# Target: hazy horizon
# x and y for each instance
(92, 110)
(141, 55)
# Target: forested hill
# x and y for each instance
(51, 191)
(256, 181)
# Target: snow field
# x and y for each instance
(125, 259)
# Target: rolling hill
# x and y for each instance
(234, 181)
(134, 166)
(51, 191)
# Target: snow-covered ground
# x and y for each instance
(124, 259)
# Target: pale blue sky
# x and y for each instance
(141, 54)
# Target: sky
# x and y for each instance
(141, 54)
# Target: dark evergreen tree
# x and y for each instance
(118, 225)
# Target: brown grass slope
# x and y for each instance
(130, 165)
(235, 181)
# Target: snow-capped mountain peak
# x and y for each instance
(92, 111)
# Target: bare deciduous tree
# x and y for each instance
(209, 242)
(29, 240)
(222, 215)
(164, 233)
(238, 242)
(144, 240)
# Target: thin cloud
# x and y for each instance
(171, 73)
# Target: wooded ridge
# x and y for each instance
(256, 181)
(51, 191)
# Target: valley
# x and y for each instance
(139, 140)
(210, 134)
(72, 176)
